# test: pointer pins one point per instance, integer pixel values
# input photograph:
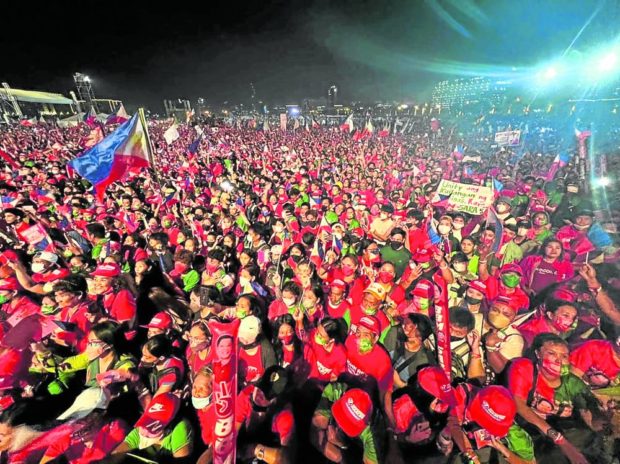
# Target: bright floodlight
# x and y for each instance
(550, 73)
(608, 62)
(602, 182)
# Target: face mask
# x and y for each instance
(199, 347)
(385, 277)
(146, 442)
(552, 368)
(244, 281)
(369, 311)
(501, 209)
(581, 228)
(364, 345)
(288, 302)
(522, 232)
(511, 280)
(473, 301)
(48, 309)
(201, 403)
(425, 303)
(146, 365)
(319, 340)
(457, 226)
(540, 221)
(425, 265)
(167, 223)
(37, 268)
(456, 339)
(498, 320)
(572, 189)
(383, 216)
(396, 245)
(286, 339)
(278, 229)
(3, 299)
(443, 229)
(460, 267)
(563, 325)
(348, 270)
(212, 268)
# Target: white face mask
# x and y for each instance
(278, 229)
(502, 208)
(37, 267)
(443, 229)
(288, 301)
(146, 442)
(457, 226)
(201, 403)
(243, 281)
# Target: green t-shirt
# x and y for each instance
(182, 435)
(333, 392)
(190, 280)
(399, 258)
(519, 442)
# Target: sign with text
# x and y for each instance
(454, 196)
(510, 138)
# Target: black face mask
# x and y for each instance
(456, 339)
(199, 217)
(473, 301)
(146, 365)
(249, 346)
(210, 244)
(257, 408)
(396, 245)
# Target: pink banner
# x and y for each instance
(224, 389)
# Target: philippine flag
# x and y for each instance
(124, 150)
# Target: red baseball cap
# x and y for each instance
(424, 289)
(404, 410)
(494, 409)
(107, 270)
(8, 256)
(160, 412)
(512, 267)
(422, 255)
(371, 323)
(478, 285)
(435, 381)
(339, 284)
(161, 320)
(353, 411)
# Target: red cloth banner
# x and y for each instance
(224, 389)
(442, 321)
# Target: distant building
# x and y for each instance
(332, 96)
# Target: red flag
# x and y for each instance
(9, 159)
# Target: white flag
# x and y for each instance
(171, 133)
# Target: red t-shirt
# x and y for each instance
(251, 366)
(323, 364)
(373, 365)
(417, 239)
(537, 325)
(120, 306)
(521, 382)
(194, 362)
(174, 375)
(276, 309)
(357, 314)
(206, 417)
(337, 311)
(596, 356)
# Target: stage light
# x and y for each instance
(550, 73)
(607, 62)
(601, 182)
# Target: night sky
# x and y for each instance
(290, 49)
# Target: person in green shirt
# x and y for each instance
(159, 435)
(395, 252)
(346, 416)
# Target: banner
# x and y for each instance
(467, 198)
(511, 138)
(442, 325)
(224, 341)
(283, 121)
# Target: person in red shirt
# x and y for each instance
(198, 353)
(324, 351)
(15, 305)
(46, 270)
(347, 273)
(506, 285)
(561, 318)
(337, 306)
(70, 296)
(255, 351)
(368, 363)
(202, 401)
(597, 363)
(374, 296)
(117, 302)
(264, 419)
(160, 370)
(416, 235)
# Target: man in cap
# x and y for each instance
(159, 434)
(46, 270)
(373, 297)
(264, 419)
(507, 285)
(346, 416)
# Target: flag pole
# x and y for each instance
(150, 150)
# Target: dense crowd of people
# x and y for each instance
(336, 255)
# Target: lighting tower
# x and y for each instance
(85, 90)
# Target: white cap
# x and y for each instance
(249, 329)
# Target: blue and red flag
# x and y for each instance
(493, 220)
(124, 150)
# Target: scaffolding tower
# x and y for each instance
(85, 91)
